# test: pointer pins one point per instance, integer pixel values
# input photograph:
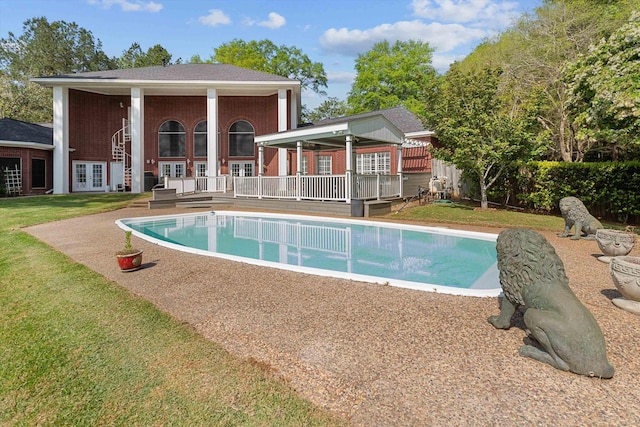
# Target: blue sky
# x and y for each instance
(332, 32)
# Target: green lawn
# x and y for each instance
(77, 349)
(455, 213)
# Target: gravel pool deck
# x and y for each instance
(375, 354)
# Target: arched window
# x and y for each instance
(241, 139)
(200, 139)
(172, 139)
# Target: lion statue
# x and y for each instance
(575, 213)
(532, 275)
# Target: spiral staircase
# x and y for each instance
(119, 143)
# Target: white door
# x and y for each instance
(89, 176)
(117, 176)
(172, 169)
(241, 168)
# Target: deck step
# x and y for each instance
(203, 203)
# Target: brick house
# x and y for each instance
(111, 127)
(127, 129)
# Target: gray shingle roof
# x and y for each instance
(179, 72)
(15, 130)
(402, 118)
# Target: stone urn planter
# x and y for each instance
(614, 243)
(625, 272)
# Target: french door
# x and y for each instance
(89, 176)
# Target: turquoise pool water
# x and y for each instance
(416, 257)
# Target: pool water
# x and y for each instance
(416, 257)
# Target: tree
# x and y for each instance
(532, 54)
(46, 49)
(43, 49)
(329, 109)
(480, 133)
(134, 57)
(264, 55)
(392, 75)
(604, 89)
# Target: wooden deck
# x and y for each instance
(213, 200)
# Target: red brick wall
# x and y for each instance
(26, 154)
(95, 118)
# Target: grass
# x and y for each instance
(77, 349)
(456, 213)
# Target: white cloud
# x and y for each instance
(492, 12)
(442, 62)
(214, 18)
(275, 21)
(129, 5)
(339, 77)
(441, 37)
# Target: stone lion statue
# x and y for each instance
(532, 275)
(575, 213)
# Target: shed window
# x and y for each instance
(38, 173)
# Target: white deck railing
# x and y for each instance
(211, 184)
(301, 187)
(318, 187)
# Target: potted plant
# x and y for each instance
(129, 258)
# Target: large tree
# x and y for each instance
(604, 89)
(264, 55)
(135, 57)
(44, 48)
(480, 132)
(392, 75)
(532, 54)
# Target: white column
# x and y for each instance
(400, 167)
(212, 132)
(349, 166)
(136, 127)
(298, 170)
(60, 140)
(349, 156)
(299, 157)
(282, 126)
(260, 159)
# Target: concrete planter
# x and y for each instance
(614, 243)
(625, 272)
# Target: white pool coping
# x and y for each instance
(475, 290)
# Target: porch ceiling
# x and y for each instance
(367, 132)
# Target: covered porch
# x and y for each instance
(345, 135)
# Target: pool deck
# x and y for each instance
(378, 355)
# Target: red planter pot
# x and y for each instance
(130, 262)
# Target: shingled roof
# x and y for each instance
(177, 72)
(402, 118)
(17, 131)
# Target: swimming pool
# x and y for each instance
(416, 257)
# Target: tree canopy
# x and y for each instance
(391, 75)
(134, 57)
(604, 89)
(43, 49)
(331, 108)
(264, 55)
(532, 54)
(479, 130)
